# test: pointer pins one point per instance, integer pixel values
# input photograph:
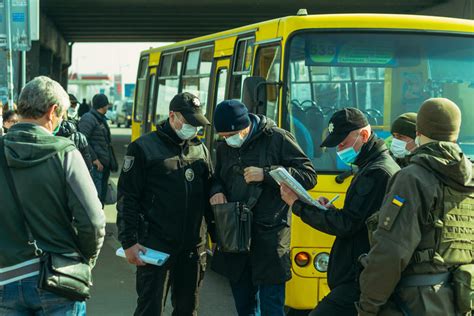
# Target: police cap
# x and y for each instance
(342, 123)
(190, 107)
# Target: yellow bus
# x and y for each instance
(298, 70)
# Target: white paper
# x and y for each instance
(280, 175)
(151, 256)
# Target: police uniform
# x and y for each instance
(363, 198)
(163, 200)
(424, 230)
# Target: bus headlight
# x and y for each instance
(321, 261)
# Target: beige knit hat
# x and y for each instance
(439, 119)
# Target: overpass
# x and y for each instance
(66, 22)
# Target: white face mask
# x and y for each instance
(187, 131)
(235, 141)
(399, 148)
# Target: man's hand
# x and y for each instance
(133, 254)
(218, 198)
(288, 195)
(324, 201)
(99, 166)
(253, 174)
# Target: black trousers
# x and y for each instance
(182, 274)
(340, 301)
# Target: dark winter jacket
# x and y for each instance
(94, 126)
(68, 129)
(163, 192)
(269, 257)
(364, 197)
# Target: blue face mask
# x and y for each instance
(349, 155)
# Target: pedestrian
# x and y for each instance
(72, 112)
(403, 141)
(47, 205)
(424, 234)
(84, 108)
(357, 144)
(96, 129)
(253, 146)
(163, 200)
(10, 118)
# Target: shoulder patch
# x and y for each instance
(398, 201)
(128, 163)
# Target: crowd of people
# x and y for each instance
(402, 237)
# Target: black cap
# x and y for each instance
(72, 98)
(342, 123)
(190, 107)
(99, 101)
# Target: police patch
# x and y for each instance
(128, 163)
(189, 174)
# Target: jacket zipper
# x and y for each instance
(186, 193)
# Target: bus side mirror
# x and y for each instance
(254, 94)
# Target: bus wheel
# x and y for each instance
(297, 312)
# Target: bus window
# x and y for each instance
(151, 99)
(197, 73)
(382, 74)
(242, 66)
(141, 87)
(168, 83)
(221, 81)
(267, 65)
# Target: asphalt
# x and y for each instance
(114, 293)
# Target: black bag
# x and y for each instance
(233, 227)
(69, 277)
(65, 276)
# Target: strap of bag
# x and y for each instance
(257, 188)
(9, 177)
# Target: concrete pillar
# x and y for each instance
(32, 61)
(45, 62)
(56, 69)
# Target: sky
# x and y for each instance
(108, 58)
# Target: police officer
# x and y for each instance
(163, 198)
(403, 141)
(425, 223)
(253, 146)
(356, 144)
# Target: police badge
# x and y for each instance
(128, 163)
(189, 174)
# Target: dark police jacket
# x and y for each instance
(364, 197)
(269, 256)
(166, 182)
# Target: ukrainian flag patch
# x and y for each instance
(398, 201)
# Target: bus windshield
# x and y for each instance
(382, 74)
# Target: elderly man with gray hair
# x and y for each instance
(49, 205)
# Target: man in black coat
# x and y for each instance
(356, 144)
(96, 129)
(162, 203)
(253, 146)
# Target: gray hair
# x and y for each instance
(39, 95)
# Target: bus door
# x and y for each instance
(149, 101)
(220, 79)
(140, 92)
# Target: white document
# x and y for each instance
(280, 175)
(151, 256)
